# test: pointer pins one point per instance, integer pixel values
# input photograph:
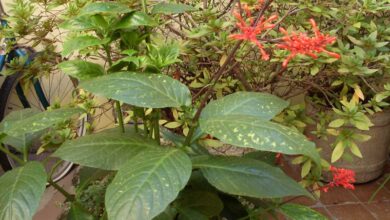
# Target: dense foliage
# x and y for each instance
(189, 77)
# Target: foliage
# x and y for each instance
(187, 67)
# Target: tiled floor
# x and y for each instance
(341, 204)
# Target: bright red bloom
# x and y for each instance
(341, 177)
(305, 45)
(249, 30)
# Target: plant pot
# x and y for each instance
(375, 151)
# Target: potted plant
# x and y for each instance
(143, 171)
(348, 97)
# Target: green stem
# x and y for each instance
(13, 156)
(25, 154)
(67, 195)
(117, 103)
(120, 116)
(379, 188)
(144, 8)
(157, 126)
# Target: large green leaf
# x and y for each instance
(104, 8)
(133, 20)
(250, 131)
(171, 8)
(140, 89)
(146, 185)
(14, 126)
(21, 190)
(247, 177)
(300, 212)
(263, 105)
(81, 42)
(21, 141)
(81, 69)
(107, 150)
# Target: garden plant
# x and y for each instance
(186, 79)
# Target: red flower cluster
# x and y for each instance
(303, 44)
(250, 30)
(341, 177)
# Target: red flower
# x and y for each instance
(341, 177)
(249, 30)
(305, 45)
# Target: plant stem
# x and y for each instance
(13, 156)
(157, 126)
(67, 195)
(120, 116)
(117, 103)
(144, 8)
(218, 74)
(379, 189)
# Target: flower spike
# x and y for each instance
(249, 30)
(303, 44)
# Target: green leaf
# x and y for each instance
(355, 150)
(105, 8)
(306, 168)
(21, 190)
(81, 69)
(107, 150)
(250, 131)
(23, 141)
(133, 20)
(247, 177)
(140, 89)
(204, 202)
(81, 23)
(300, 212)
(338, 151)
(262, 105)
(337, 123)
(77, 213)
(15, 126)
(147, 183)
(171, 8)
(81, 42)
(263, 156)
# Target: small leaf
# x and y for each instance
(106, 150)
(21, 190)
(300, 212)
(81, 69)
(81, 42)
(171, 8)
(173, 124)
(140, 89)
(105, 8)
(338, 151)
(306, 168)
(133, 20)
(355, 150)
(147, 184)
(337, 123)
(247, 177)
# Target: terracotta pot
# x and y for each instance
(375, 151)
